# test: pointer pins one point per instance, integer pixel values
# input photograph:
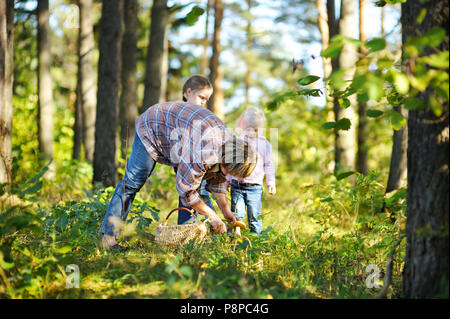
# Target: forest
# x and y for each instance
(356, 100)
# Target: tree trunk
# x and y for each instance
(45, 87)
(216, 101)
(426, 271)
(128, 110)
(332, 29)
(362, 155)
(105, 160)
(6, 88)
(86, 86)
(156, 67)
(204, 63)
(78, 124)
(397, 169)
(247, 77)
(345, 140)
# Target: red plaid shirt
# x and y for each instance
(187, 137)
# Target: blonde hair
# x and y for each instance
(251, 120)
(238, 157)
(196, 82)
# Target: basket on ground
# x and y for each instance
(172, 235)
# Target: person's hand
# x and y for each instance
(217, 225)
(272, 190)
(229, 216)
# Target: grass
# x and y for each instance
(311, 247)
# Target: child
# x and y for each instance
(246, 194)
(196, 90)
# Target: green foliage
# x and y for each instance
(386, 85)
(313, 247)
(309, 79)
(193, 15)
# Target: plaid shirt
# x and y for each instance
(189, 138)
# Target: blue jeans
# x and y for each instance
(139, 167)
(185, 217)
(247, 199)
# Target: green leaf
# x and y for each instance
(435, 106)
(343, 175)
(397, 120)
(349, 91)
(344, 103)
(343, 124)
(336, 79)
(435, 36)
(421, 16)
(362, 97)
(329, 125)
(443, 90)
(328, 199)
(401, 82)
(333, 50)
(243, 245)
(4, 264)
(32, 189)
(438, 60)
(412, 103)
(63, 250)
(186, 270)
(374, 113)
(308, 79)
(376, 44)
(36, 177)
(192, 17)
(385, 63)
(62, 222)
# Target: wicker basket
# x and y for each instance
(173, 235)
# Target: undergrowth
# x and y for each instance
(328, 239)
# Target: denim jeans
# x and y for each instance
(185, 217)
(247, 199)
(139, 167)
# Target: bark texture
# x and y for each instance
(157, 55)
(216, 101)
(6, 88)
(128, 110)
(45, 86)
(426, 272)
(105, 159)
(345, 141)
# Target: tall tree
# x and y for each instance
(247, 77)
(157, 56)
(204, 63)
(105, 160)
(328, 28)
(398, 165)
(362, 153)
(345, 140)
(216, 101)
(128, 110)
(86, 85)
(6, 88)
(426, 271)
(45, 86)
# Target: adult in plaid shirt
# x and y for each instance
(195, 141)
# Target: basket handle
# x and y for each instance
(179, 208)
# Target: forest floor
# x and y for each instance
(327, 240)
